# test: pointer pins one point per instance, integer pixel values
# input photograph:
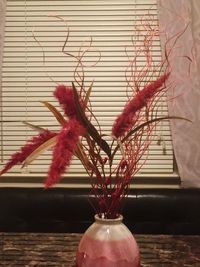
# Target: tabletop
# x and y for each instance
(58, 249)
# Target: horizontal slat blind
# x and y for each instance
(26, 80)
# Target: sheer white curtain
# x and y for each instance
(180, 25)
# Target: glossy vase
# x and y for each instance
(108, 243)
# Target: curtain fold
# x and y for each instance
(180, 38)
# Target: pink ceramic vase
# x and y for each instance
(108, 243)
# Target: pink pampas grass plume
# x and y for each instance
(27, 149)
(124, 121)
(64, 150)
(65, 97)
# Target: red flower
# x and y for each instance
(26, 150)
(64, 150)
(126, 119)
(65, 97)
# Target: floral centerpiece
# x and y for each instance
(110, 161)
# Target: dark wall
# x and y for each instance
(146, 211)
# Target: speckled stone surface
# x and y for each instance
(59, 250)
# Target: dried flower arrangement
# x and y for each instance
(110, 161)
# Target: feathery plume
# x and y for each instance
(27, 149)
(64, 150)
(125, 120)
(65, 96)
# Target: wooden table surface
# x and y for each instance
(32, 249)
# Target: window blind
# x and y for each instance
(33, 64)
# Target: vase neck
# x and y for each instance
(108, 221)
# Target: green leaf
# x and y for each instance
(88, 125)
